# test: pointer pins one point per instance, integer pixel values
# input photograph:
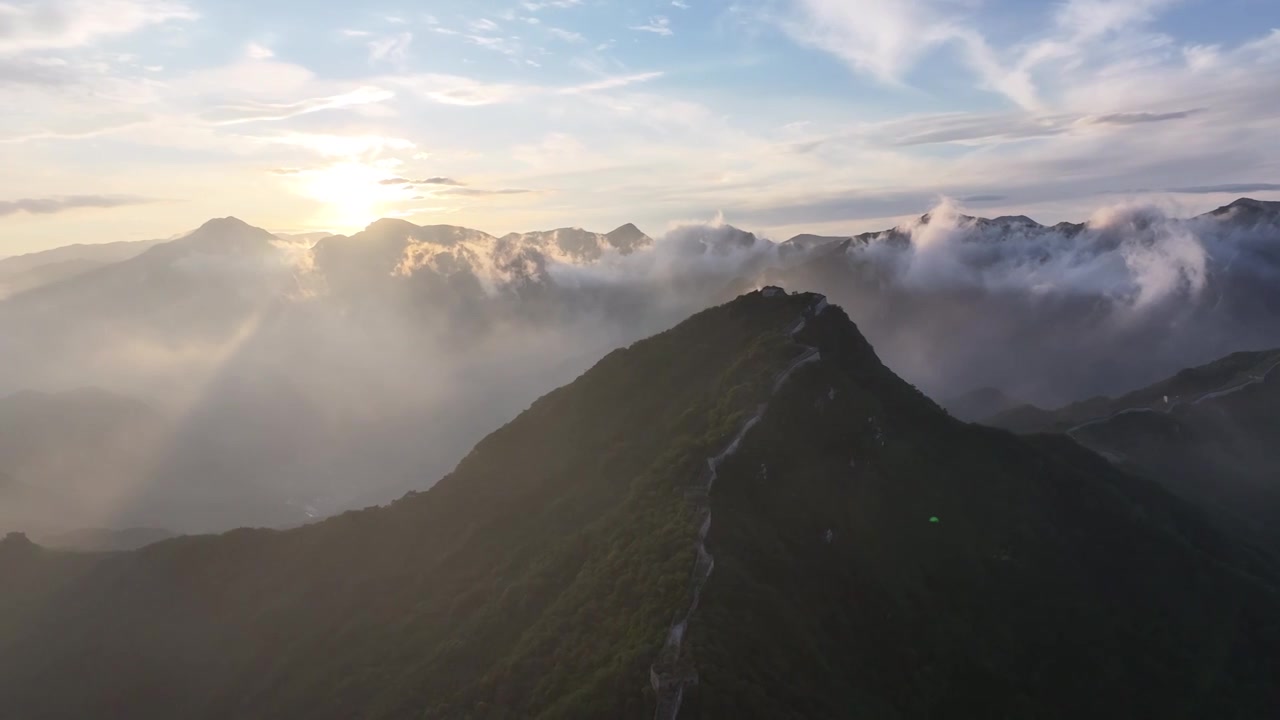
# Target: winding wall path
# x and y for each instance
(672, 673)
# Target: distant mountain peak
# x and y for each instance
(17, 542)
(229, 222)
(223, 235)
(395, 233)
(808, 241)
(385, 224)
(1256, 204)
(1015, 220)
(628, 238)
(1003, 220)
(1249, 209)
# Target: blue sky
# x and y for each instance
(141, 118)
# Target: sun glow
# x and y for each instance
(349, 194)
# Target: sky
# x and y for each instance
(138, 119)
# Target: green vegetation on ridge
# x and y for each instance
(536, 580)
(539, 579)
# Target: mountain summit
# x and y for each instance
(747, 515)
(1249, 210)
(228, 235)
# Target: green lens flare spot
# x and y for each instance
(934, 519)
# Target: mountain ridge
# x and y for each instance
(544, 575)
(1206, 434)
(1251, 208)
(333, 354)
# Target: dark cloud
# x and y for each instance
(49, 206)
(984, 198)
(1235, 188)
(1142, 117)
(428, 181)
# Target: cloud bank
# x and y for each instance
(302, 379)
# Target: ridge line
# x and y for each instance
(668, 675)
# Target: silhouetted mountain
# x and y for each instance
(400, 248)
(16, 545)
(628, 239)
(1189, 387)
(206, 272)
(26, 272)
(289, 370)
(808, 243)
(979, 404)
(750, 499)
(581, 246)
(1249, 211)
(103, 540)
(1208, 434)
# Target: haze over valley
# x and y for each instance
(245, 379)
(671, 359)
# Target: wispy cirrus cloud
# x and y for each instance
(470, 92)
(968, 129)
(881, 38)
(658, 25)
(568, 36)
(886, 39)
(510, 46)
(536, 5)
(72, 135)
(258, 51)
(461, 90)
(1093, 18)
(267, 112)
(610, 83)
(393, 49)
(330, 145)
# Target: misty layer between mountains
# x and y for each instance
(241, 378)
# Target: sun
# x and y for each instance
(350, 193)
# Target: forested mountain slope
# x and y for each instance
(1210, 434)
(753, 482)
